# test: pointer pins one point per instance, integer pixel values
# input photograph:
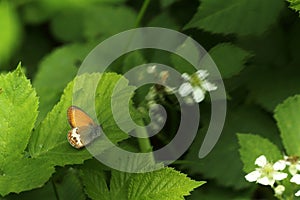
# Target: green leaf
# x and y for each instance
(68, 185)
(211, 191)
(242, 17)
(37, 12)
(229, 58)
(249, 150)
(287, 117)
(94, 181)
(49, 140)
(271, 86)
(240, 119)
(55, 71)
(295, 4)
(166, 3)
(45, 193)
(162, 184)
(164, 20)
(68, 26)
(18, 112)
(96, 23)
(91, 22)
(24, 174)
(10, 31)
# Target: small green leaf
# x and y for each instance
(250, 150)
(242, 17)
(229, 59)
(287, 116)
(295, 4)
(162, 184)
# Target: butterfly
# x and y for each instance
(84, 129)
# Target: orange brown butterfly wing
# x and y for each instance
(78, 117)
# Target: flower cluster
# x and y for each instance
(192, 89)
(268, 174)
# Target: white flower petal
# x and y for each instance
(202, 74)
(297, 194)
(261, 161)
(279, 165)
(279, 176)
(198, 94)
(279, 189)
(185, 76)
(253, 176)
(266, 181)
(298, 166)
(296, 179)
(151, 69)
(208, 86)
(188, 100)
(293, 169)
(185, 89)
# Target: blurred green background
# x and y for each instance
(254, 43)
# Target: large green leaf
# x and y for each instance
(18, 112)
(242, 17)
(49, 140)
(250, 150)
(162, 184)
(287, 117)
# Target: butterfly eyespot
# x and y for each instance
(84, 129)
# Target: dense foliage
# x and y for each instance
(254, 44)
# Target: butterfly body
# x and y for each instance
(84, 129)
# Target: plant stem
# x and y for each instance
(142, 13)
(144, 143)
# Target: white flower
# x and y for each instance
(196, 84)
(279, 190)
(267, 173)
(202, 74)
(297, 194)
(293, 163)
(185, 89)
(208, 86)
(185, 76)
(198, 94)
(151, 69)
(296, 179)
